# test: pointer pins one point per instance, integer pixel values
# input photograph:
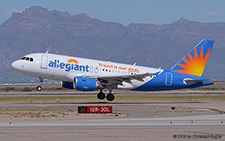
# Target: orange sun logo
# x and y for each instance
(196, 65)
(73, 61)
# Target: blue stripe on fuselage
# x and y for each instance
(161, 82)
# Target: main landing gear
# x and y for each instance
(109, 97)
(39, 88)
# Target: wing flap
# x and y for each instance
(117, 80)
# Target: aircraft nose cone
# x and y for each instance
(15, 65)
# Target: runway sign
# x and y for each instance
(95, 109)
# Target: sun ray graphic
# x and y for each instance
(73, 61)
(195, 65)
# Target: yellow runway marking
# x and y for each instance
(42, 105)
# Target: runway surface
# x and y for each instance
(132, 133)
(187, 120)
(203, 128)
(140, 125)
(134, 121)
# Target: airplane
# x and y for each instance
(88, 74)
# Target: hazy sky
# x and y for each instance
(127, 11)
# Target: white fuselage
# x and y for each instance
(65, 68)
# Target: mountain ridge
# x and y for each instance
(37, 29)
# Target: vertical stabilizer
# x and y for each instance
(194, 62)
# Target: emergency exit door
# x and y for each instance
(168, 79)
(44, 62)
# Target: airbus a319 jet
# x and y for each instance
(88, 74)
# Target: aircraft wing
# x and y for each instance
(117, 80)
(190, 82)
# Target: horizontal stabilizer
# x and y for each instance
(205, 82)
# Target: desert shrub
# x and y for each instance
(26, 89)
(9, 89)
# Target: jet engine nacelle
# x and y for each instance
(85, 84)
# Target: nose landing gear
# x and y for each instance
(39, 88)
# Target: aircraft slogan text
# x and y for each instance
(118, 67)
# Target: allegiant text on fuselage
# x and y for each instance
(68, 66)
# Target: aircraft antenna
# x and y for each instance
(47, 50)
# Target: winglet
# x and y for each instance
(194, 62)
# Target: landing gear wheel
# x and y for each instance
(39, 88)
(101, 95)
(110, 97)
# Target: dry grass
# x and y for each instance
(130, 98)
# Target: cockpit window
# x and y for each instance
(27, 59)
